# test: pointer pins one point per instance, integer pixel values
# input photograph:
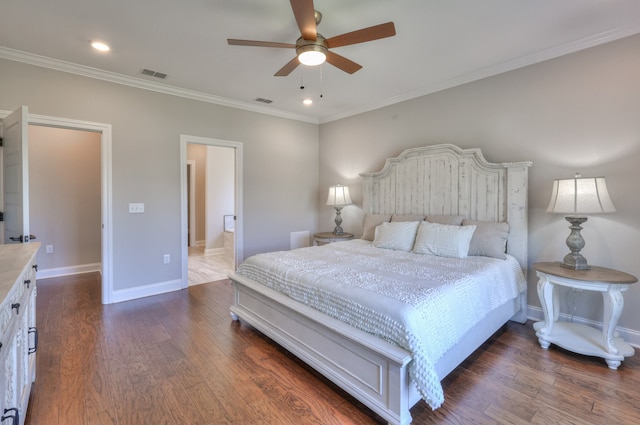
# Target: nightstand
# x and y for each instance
(577, 337)
(324, 238)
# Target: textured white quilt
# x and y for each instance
(421, 303)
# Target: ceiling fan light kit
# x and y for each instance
(311, 53)
(312, 48)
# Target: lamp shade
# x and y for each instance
(338, 196)
(580, 195)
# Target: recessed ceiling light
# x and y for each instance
(307, 101)
(99, 45)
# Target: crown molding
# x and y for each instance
(112, 77)
(510, 65)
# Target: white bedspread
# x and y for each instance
(421, 303)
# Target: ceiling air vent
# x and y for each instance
(263, 100)
(152, 73)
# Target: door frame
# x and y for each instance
(105, 185)
(238, 245)
(191, 169)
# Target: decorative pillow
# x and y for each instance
(455, 220)
(399, 235)
(443, 240)
(489, 239)
(371, 221)
(407, 217)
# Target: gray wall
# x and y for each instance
(64, 200)
(146, 155)
(577, 113)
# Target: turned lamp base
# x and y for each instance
(338, 229)
(574, 260)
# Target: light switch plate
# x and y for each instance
(136, 208)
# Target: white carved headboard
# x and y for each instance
(446, 180)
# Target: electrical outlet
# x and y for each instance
(166, 259)
(49, 249)
(136, 208)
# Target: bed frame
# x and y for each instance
(430, 180)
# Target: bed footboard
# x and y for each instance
(371, 370)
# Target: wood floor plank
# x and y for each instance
(105, 417)
(98, 392)
(206, 402)
(178, 358)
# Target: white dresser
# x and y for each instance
(18, 333)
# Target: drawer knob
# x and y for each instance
(27, 282)
(17, 307)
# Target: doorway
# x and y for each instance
(211, 227)
(105, 185)
(64, 199)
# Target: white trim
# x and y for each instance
(112, 77)
(630, 336)
(69, 271)
(191, 166)
(145, 291)
(239, 247)
(106, 187)
(509, 65)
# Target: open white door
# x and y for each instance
(16, 177)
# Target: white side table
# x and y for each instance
(576, 337)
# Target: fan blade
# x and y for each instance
(286, 70)
(234, 42)
(365, 34)
(342, 63)
(304, 13)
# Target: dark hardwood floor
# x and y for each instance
(178, 358)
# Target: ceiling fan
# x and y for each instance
(312, 48)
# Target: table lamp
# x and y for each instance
(579, 196)
(338, 198)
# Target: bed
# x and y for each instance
(286, 295)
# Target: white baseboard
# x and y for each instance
(68, 271)
(145, 291)
(119, 295)
(631, 336)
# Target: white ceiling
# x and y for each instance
(439, 44)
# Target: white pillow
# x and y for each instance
(443, 240)
(398, 235)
